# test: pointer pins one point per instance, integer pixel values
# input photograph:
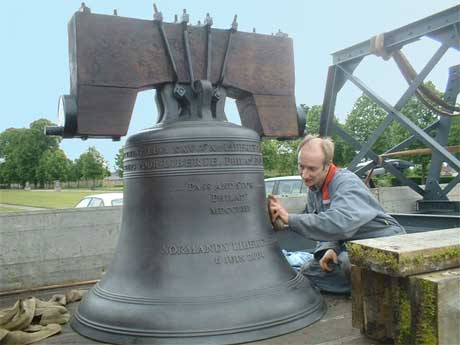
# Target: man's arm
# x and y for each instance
(349, 211)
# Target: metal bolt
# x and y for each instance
(208, 20)
(179, 91)
(281, 34)
(185, 17)
(157, 15)
(84, 9)
(235, 23)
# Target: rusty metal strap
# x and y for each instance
(158, 19)
(423, 93)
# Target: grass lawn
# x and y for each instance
(46, 198)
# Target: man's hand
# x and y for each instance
(329, 256)
(277, 210)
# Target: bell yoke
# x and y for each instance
(197, 260)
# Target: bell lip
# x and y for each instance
(297, 318)
(236, 336)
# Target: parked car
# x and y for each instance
(291, 191)
(100, 200)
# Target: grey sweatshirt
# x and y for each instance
(352, 213)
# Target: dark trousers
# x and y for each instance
(337, 281)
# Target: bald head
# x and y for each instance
(318, 146)
(314, 158)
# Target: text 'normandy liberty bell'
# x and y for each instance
(197, 261)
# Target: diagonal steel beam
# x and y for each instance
(352, 141)
(370, 142)
(433, 188)
(402, 145)
(334, 83)
(330, 98)
(451, 184)
(401, 102)
(397, 115)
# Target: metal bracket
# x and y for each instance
(232, 30)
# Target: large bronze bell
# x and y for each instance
(197, 260)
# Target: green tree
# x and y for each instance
(75, 171)
(421, 116)
(269, 154)
(21, 150)
(93, 165)
(280, 157)
(342, 154)
(363, 120)
(313, 115)
(454, 133)
(287, 157)
(119, 161)
(53, 165)
(11, 155)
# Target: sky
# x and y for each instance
(34, 63)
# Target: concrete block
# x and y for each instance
(408, 254)
(43, 248)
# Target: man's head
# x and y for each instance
(314, 157)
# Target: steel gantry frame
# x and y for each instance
(443, 27)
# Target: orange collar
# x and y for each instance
(324, 188)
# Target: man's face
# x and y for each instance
(311, 169)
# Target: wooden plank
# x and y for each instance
(372, 304)
(357, 292)
(404, 255)
(416, 152)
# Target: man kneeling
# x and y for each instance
(339, 208)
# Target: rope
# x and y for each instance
(30, 320)
(377, 47)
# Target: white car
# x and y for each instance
(291, 191)
(100, 200)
